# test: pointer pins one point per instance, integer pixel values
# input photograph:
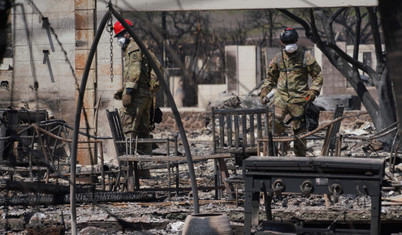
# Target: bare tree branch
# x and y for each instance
(335, 15)
(357, 35)
(365, 28)
(317, 37)
(327, 26)
(349, 25)
(376, 35)
(350, 60)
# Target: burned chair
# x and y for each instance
(236, 131)
(129, 159)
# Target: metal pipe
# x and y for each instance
(77, 120)
(172, 104)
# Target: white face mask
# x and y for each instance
(291, 48)
(121, 41)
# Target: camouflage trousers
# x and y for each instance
(135, 120)
(298, 124)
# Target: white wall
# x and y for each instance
(243, 69)
(54, 76)
(207, 93)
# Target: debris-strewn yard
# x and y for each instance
(31, 211)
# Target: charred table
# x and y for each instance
(321, 175)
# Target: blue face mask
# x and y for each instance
(291, 48)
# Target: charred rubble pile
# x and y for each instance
(35, 185)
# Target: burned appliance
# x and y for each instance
(306, 175)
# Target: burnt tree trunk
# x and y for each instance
(391, 17)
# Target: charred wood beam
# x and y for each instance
(32, 200)
(22, 169)
(59, 190)
(40, 187)
(186, 189)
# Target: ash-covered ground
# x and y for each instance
(163, 214)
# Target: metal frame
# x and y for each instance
(45, 137)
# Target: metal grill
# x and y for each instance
(321, 175)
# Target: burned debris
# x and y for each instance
(44, 184)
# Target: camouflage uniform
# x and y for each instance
(138, 75)
(291, 80)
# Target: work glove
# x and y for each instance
(263, 96)
(311, 95)
(126, 99)
(264, 99)
(118, 95)
(153, 83)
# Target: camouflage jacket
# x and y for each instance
(289, 72)
(137, 69)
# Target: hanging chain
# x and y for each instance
(111, 46)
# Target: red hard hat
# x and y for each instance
(118, 27)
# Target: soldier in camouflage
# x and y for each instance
(289, 71)
(139, 88)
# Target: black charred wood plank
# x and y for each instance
(229, 129)
(57, 199)
(41, 187)
(244, 129)
(237, 130)
(221, 131)
(252, 137)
